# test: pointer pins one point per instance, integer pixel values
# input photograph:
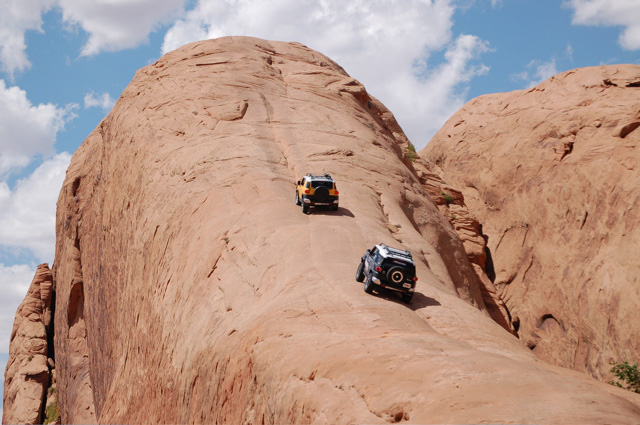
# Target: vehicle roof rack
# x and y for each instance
(321, 176)
(397, 252)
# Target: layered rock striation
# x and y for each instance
(30, 364)
(191, 289)
(552, 174)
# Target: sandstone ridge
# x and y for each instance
(30, 365)
(191, 289)
(552, 174)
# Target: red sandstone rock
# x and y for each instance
(191, 289)
(27, 375)
(552, 173)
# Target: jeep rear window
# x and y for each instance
(390, 262)
(325, 184)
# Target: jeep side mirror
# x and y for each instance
(298, 182)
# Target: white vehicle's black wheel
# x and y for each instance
(368, 286)
(360, 272)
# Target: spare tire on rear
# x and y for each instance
(322, 194)
(396, 275)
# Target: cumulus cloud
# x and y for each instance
(386, 45)
(536, 72)
(14, 283)
(111, 25)
(28, 212)
(114, 25)
(27, 130)
(624, 13)
(17, 17)
(103, 101)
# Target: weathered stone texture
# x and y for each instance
(191, 289)
(552, 173)
(28, 369)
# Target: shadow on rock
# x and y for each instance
(342, 212)
(419, 300)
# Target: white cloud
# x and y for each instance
(27, 130)
(104, 101)
(537, 72)
(17, 17)
(384, 44)
(28, 212)
(14, 284)
(624, 13)
(115, 25)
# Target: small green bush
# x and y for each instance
(51, 413)
(448, 198)
(411, 153)
(628, 376)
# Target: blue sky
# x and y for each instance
(63, 63)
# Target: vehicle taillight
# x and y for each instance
(337, 193)
(378, 269)
(306, 191)
(415, 279)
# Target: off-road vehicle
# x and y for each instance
(389, 268)
(314, 191)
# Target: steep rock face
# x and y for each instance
(190, 288)
(28, 369)
(552, 173)
(451, 204)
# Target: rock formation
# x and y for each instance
(191, 289)
(27, 376)
(552, 173)
(451, 204)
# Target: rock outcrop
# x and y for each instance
(28, 372)
(450, 202)
(191, 289)
(552, 173)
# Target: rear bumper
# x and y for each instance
(311, 200)
(398, 288)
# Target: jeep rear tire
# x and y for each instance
(396, 275)
(360, 272)
(305, 208)
(406, 298)
(297, 199)
(334, 208)
(368, 285)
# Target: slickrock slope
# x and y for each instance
(28, 369)
(552, 173)
(191, 289)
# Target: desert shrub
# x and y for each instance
(411, 153)
(627, 376)
(448, 198)
(51, 413)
